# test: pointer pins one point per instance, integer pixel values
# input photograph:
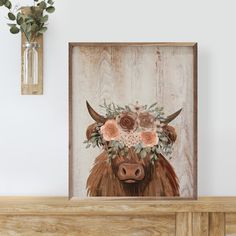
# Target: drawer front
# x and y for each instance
(230, 224)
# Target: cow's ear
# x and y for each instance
(90, 130)
(170, 132)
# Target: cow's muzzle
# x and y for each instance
(130, 172)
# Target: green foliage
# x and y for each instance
(32, 24)
(157, 111)
(95, 139)
(14, 29)
(11, 16)
(116, 148)
(164, 148)
(8, 4)
(112, 110)
(50, 9)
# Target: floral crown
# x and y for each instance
(132, 126)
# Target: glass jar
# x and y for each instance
(31, 62)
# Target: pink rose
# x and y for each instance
(110, 130)
(148, 138)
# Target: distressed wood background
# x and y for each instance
(124, 74)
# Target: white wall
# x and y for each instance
(34, 129)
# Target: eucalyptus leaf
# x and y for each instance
(23, 26)
(153, 148)
(94, 145)
(143, 154)
(44, 19)
(154, 157)
(50, 9)
(8, 4)
(28, 28)
(164, 139)
(138, 149)
(19, 18)
(10, 25)
(20, 14)
(116, 144)
(158, 150)
(121, 145)
(2, 2)
(42, 5)
(43, 30)
(11, 16)
(14, 30)
(29, 19)
(50, 2)
(127, 108)
(154, 104)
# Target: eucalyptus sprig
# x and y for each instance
(113, 110)
(33, 23)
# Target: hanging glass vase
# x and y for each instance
(31, 63)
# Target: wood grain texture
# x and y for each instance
(230, 224)
(57, 216)
(38, 88)
(88, 226)
(217, 224)
(200, 223)
(96, 206)
(168, 44)
(126, 73)
(184, 224)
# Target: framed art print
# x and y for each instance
(133, 120)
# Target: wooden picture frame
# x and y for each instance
(183, 64)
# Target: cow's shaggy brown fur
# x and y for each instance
(160, 180)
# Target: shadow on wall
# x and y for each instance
(205, 117)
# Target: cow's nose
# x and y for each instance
(130, 172)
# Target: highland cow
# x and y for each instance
(131, 175)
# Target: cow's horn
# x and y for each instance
(172, 117)
(98, 118)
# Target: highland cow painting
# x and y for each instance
(133, 120)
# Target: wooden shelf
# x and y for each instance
(210, 216)
(61, 205)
